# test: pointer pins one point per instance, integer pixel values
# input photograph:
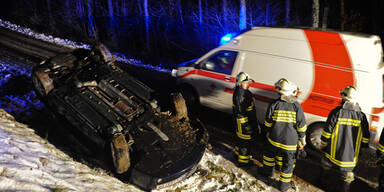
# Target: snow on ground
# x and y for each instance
(29, 163)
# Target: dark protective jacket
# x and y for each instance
(244, 112)
(285, 122)
(242, 102)
(345, 131)
(380, 150)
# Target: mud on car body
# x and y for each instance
(118, 113)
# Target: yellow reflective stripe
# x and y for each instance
(380, 147)
(326, 134)
(358, 142)
(279, 158)
(239, 133)
(282, 179)
(282, 146)
(341, 163)
(243, 161)
(268, 158)
(285, 174)
(365, 140)
(244, 157)
(267, 124)
(284, 116)
(334, 140)
(268, 163)
(242, 120)
(302, 129)
(242, 136)
(279, 162)
(250, 107)
(347, 121)
(284, 119)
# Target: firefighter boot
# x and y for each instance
(285, 186)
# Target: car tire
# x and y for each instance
(120, 153)
(42, 83)
(314, 135)
(191, 99)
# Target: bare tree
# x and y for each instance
(267, 13)
(315, 13)
(287, 11)
(342, 15)
(243, 15)
(146, 15)
(110, 8)
(200, 13)
(224, 11)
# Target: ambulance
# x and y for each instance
(320, 62)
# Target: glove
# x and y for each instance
(302, 143)
(301, 153)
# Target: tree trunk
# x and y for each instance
(287, 11)
(243, 15)
(315, 13)
(110, 9)
(267, 13)
(200, 13)
(180, 11)
(342, 19)
(225, 15)
(325, 18)
(146, 15)
(91, 21)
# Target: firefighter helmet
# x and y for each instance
(242, 76)
(349, 93)
(286, 87)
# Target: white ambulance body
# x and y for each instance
(321, 63)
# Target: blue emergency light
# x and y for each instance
(226, 38)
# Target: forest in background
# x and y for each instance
(167, 32)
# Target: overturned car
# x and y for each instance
(119, 114)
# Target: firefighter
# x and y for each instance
(380, 161)
(285, 128)
(245, 118)
(345, 131)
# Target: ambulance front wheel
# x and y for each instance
(314, 135)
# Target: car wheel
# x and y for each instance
(314, 135)
(120, 153)
(191, 99)
(42, 82)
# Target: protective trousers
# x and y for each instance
(244, 135)
(281, 160)
(334, 180)
(381, 179)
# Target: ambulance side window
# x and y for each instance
(220, 62)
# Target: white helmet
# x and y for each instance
(242, 76)
(349, 93)
(286, 87)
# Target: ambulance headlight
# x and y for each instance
(174, 72)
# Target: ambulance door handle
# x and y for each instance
(227, 78)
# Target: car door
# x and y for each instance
(217, 80)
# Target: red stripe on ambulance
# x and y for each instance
(332, 71)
